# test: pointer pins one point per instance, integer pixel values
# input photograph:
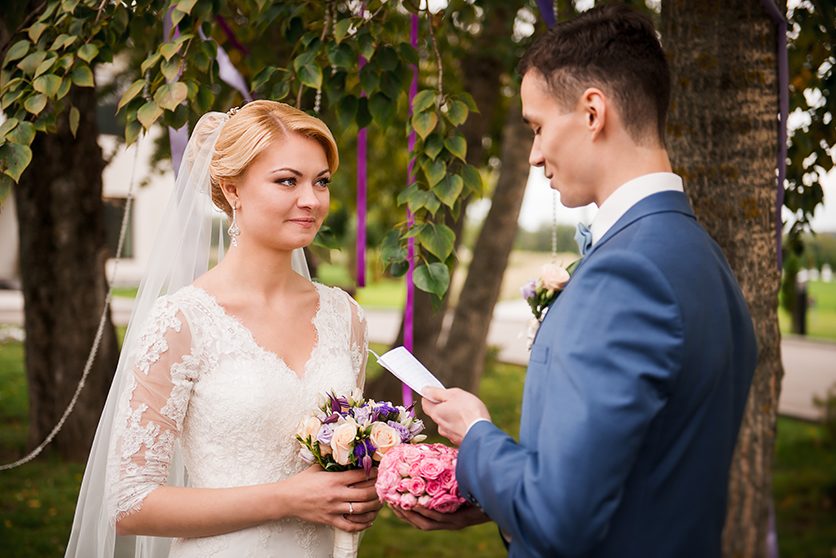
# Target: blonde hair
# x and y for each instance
(250, 130)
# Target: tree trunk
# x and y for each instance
(62, 257)
(723, 141)
(463, 357)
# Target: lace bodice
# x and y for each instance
(201, 379)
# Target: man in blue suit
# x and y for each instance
(640, 370)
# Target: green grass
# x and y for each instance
(37, 500)
(804, 485)
(821, 315)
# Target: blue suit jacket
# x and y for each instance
(635, 391)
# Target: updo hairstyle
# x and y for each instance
(250, 130)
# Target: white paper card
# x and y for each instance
(408, 369)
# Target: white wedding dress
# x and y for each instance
(202, 382)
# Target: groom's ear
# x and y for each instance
(593, 103)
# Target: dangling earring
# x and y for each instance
(233, 230)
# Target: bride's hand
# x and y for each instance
(346, 500)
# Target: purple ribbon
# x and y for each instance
(547, 10)
(409, 310)
(362, 190)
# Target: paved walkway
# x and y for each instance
(809, 366)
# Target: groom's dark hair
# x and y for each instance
(616, 49)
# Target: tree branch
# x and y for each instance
(23, 24)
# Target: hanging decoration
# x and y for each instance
(362, 185)
(409, 310)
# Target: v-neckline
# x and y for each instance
(260, 347)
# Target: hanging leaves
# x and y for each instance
(362, 65)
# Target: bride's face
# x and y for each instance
(283, 195)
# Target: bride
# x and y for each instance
(195, 451)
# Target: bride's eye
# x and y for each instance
(290, 181)
(323, 182)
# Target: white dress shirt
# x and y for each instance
(629, 194)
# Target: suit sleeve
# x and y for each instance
(602, 367)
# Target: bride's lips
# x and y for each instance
(305, 222)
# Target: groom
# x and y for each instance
(640, 371)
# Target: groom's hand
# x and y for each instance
(455, 411)
(429, 520)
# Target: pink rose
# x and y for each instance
(402, 468)
(407, 501)
(430, 468)
(434, 487)
(416, 487)
(445, 503)
(447, 478)
(424, 500)
(411, 453)
(403, 484)
(415, 469)
(553, 277)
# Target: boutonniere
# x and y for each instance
(542, 293)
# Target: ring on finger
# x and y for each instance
(350, 508)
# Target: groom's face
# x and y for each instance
(560, 143)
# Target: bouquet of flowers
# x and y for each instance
(351, 432)
(420, 475)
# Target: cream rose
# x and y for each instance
(384, 438)
(309, 427)
(554, 277)
(342, 443)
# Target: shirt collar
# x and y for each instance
(629, 194)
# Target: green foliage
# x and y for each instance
(362, 63)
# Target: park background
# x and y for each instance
(37, 499)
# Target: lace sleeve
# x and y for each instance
(359, 341)
(152, 408)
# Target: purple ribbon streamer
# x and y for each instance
(409, 310)
(362, 190)
(547, 10)
(784, 106)
(362, 178)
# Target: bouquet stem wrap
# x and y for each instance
(346, 544)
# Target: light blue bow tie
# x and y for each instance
(584, 238)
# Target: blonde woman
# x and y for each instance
(197, 440)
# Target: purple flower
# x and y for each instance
(402, 430)
(307, 456)
(338, 404)
(362, 414)
(364, 448)
(325, 434)
(416, 427)
(529, 289)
